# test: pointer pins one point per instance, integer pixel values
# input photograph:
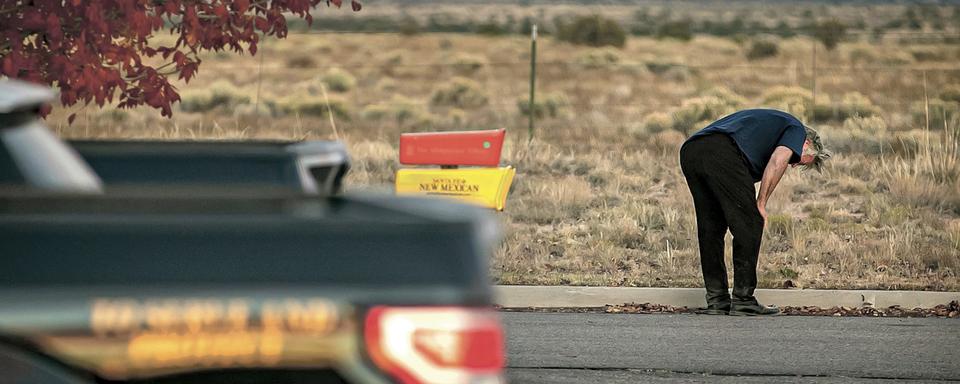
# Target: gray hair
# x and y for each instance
(821, 154)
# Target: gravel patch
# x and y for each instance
(951, 310)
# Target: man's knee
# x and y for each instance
(749, 230)
(711, 232)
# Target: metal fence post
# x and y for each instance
(813, 78)
(533, 79)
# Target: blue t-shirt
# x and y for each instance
(758, 132)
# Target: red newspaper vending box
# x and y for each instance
(468, 148)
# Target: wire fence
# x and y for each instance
(802, 75)
(889, 87)
(797, 31)
(573, 64)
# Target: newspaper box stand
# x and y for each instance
(485, 183)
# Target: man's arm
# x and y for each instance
(771, 177)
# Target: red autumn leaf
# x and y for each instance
(261, 23)
(241, 5)
(220, 11)
(32, 20)
(171, 7)
(7, 67)
(54, 33)
(191, 39)
(179, 58)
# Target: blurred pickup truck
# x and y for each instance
(227, 284)
(314, 167)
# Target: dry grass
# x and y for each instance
(599, 198)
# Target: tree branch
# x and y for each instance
(117, 51)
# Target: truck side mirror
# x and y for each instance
(42, 160)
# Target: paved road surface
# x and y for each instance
(604, 348)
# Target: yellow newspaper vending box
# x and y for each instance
(487, 187)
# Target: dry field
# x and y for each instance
(599, 198)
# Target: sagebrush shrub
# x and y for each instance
(677, 29)
(467, 64)
(316, 106)
(461, 93)
(601, 58)
(830, 33)
(399, 108)
(761, 49)
(338, 80)
(547, 105)
(301, 61)
(951, 93)
(592, 30)
(657, 122)
(874, 125)
(694, 113)
(219, 94)
(794, 100)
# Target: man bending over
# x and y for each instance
(721, 164)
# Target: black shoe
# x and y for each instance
(715, 309)
(753, 309)
(718, 303)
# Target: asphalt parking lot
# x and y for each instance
(684, 348)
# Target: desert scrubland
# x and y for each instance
(599, 198)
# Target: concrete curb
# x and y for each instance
(569, 297)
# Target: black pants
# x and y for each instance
(724, 197)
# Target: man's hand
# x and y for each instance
(771, 177)
(763, 213)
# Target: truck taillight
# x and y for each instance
(436, 344)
